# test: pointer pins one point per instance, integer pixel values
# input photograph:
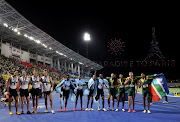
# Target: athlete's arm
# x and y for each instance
(17, 87)
(52, 84)
(140, 83)
(29, 83)
(127, 81)
(137, 82)
(8, 82)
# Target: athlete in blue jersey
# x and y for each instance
(100, 83)
(67, 85)
(79, 86)
(91, 86)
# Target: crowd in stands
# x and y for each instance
(9, 65)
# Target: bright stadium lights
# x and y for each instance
(91, 68)
(59, 53)
(31, 38)
(87, 37)
(37, 41)
(50, 48)
(18, 33)
(80, 63)
(15, 30)
(44, 45)
(5, 24)
(25, 35)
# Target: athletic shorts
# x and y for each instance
(91, 93)
(99, 92)
(47, 92)
(79, 92)
(112, 91)
(12, 92)
(145, 93)
(66, 94)
(131, 91)
(121, 92)
(35, 92)
(24, 92)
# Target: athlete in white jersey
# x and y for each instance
(12, 88)
(24, 90)
(35, 81)
(47, 89)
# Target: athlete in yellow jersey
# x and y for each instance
(132, 90)
(145, 91)
(121, 91)
(112, 90)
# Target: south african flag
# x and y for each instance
(159, 87)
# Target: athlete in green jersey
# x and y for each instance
(132, 90)
(112, 90)
(143, 82)
(120, 91)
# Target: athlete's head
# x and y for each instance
(142, 75)
(131, 74)
(16, 73)
(45, 72)
(101, 75)
(94, 77)
(35, 72)
(79, 77)
(120, 75)
(112, 75)
(23, 73)
(68, 77)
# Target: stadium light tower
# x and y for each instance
(87, 38)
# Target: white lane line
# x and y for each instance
(161, 106)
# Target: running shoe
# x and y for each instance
(18, 113)
(10, 113)
(104, 109)
(91, 109)
(46, 111)
(129, 110)
(74, 109)
(123, 110)
(60, 110)
(116, 110)
(87, 109)
(65, 109)
(28, 112)
(22, 112)
(82, 109)
(52, 112)
(165, 102)
(112, 109)
(99, 109)
(133, 110)
(144, 111)
(108, 108)
(148, 111)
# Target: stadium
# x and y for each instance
(25, 47)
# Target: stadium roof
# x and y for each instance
(19, 31)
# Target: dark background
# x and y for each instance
(130, 22)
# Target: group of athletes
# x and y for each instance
(117, 87)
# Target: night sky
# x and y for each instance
(67, 22)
